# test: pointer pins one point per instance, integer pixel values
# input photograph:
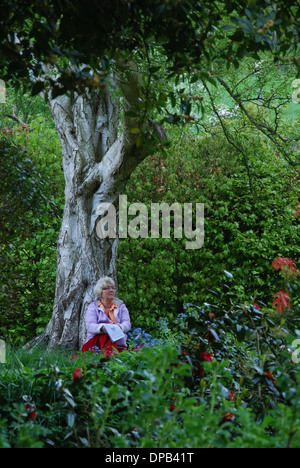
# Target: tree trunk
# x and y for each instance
(97, 164)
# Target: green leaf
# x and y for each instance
(214, 334)
(84, 441)
(127, 376)
(162, 40)
(229, 275)
(71, 418)
(37, 87)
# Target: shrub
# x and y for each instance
(150, 399)
(245, 225)
(30, 204)
(227, 380)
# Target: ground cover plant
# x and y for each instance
(227, 378)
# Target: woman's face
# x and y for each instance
(108, 292)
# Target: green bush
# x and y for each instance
(150, 399)
(247, 223)
(226, 378)
(31, 208)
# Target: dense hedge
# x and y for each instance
(248, 222)
(31, 197)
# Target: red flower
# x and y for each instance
(256, 306)
(211, 337)
(231, 396)
(198, 372)
(206, 357)
(282, 263)
(298, 211)
(228, 417)
(77, 375)
(30, 410)
(269, 375)
(281, 302)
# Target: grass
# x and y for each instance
(37, 358)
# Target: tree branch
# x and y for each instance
(263, 128)
(90, 182)
(130, 83)
(136, 117)
(16, 119)
(227, 136)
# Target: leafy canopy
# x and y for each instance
(190, 35)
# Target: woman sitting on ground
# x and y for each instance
(105, 309)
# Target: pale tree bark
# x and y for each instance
(97, 164)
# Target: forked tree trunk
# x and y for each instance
(97, 164)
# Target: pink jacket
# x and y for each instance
(95, 317)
